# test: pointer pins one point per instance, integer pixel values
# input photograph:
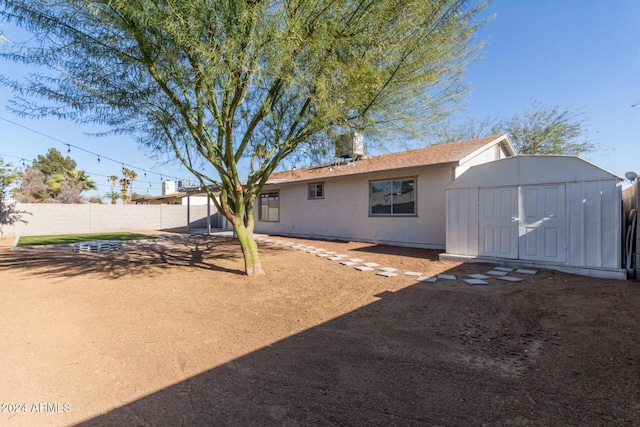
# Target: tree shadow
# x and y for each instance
(425, 355)
(144, 257)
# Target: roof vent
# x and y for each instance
(350, 145)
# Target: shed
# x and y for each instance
(557, 212)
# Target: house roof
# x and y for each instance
(455, 152)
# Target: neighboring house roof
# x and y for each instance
(171, 196)
(455, 152)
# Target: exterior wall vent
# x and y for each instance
(350, 145)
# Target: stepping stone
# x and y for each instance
(476, 282)
(348, 263)
(355, 260)
(525, 271)
(336, 257)
(510, 279)
(386, 273)
(507, 269)
(446, 276)
(323, 255)
(371, 264)
(364, 268)
(478, 276)
(330, 252)
(388, 269)
(267, 240)
(497, 273)
(412, 273)
(315, 251)
(287, 244)
(429, 279)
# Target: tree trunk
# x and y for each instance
(252, 264)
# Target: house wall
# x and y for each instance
(94, 218)
(343, 214)
(494, 152)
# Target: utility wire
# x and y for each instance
(99, 156)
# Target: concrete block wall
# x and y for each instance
(93, 218)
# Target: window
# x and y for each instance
(316, 191)
(270, 206)
(395, 197)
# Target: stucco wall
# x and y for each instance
(343, 214)
(94, 218)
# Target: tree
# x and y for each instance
(63, 183)
(127, 183)
(112, 195)
(538, 129)
(33, 186)
(9, 215)
(216, 83)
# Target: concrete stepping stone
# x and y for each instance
(446, 276)
(355, 260)
(510, 279)
(364, 268)
(412, 273)
(430, 279)
(388, 269)
(330, 252)
(497, 273)
(386, 273)
(479, 276)
(315, 251)
(371, 264)
(337, 257)
(476, 282)
(526, 271)
(507, 269)
(349, 263)
(323, 255)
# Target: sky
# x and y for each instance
(582, 55)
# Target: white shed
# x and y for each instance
(558, 212)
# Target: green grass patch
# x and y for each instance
(61, 239)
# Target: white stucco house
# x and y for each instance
(395, 199)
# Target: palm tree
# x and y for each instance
(124, 185)
(114, 180)
(132, 177)
(112, 195)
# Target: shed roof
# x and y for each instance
(531, 170)
(455, 152)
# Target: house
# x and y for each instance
(558, 212)
(395, 199)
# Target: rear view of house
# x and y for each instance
(395, 199)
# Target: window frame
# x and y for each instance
(390, 182)
(269, 194)
(316, 185)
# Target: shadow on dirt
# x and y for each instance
(429, 354)
(144, 257)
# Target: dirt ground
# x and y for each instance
(172, 333)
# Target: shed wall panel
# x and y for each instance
(462, 221)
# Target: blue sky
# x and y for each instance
(578, 54)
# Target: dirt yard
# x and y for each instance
(172, 333)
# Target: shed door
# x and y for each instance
(498, 222)
(543, 223)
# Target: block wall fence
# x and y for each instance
(46, 219)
